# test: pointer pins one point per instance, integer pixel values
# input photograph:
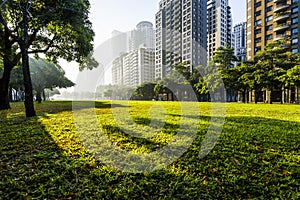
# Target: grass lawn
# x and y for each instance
(256, 156)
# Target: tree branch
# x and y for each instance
(3, 22)
(43, 50)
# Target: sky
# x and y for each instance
(123, 15)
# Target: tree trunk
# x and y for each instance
(4, 81)
(44, 95)
(282, 95)
(4, 97)
(271, 100)
(29, 107)
(4, 86)
(256, 96)
(39, 96)
(245, 96)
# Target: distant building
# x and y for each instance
(143, 34)
(180, 35)
(117, 70)
(138, 66)
(239, 41)
(119, 43)
(219, 25)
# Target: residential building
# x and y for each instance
(117, 70)
(271, 20)
(239, 41)
(219, 25)
(180, 35)
(138, 66)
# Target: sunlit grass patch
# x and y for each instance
(256, 156)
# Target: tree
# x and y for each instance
(243, 80)
(16, 81)
(224, 59)
(146, 91)
(272, 64)
(58, 29)
(47, 75)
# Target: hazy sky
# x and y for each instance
(123, 15)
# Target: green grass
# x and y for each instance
(256, 156)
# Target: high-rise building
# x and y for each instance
(219, 25)
(180, 35)
(142, 34)
(117, 70)
(118, 42)
(239, 41)
(271, 20)
(138, 66)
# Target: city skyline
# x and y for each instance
(108, 16)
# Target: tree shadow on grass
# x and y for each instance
(252, 159)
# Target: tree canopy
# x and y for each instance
(55, 28)
(47, 75)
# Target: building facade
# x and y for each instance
(142, 34)
(239, 41)
(117, 70)
(180, 35)
(269, 20)
(219, 25)
(139, 66)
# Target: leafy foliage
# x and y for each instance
(58, 29)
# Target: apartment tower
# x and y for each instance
(239, 41)
(138, 66)
(180, 35)
(219, 25)
(269, 20)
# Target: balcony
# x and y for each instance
(282, 17)
(281, 36)
(281, 27)
(286, 46)
(281, 7)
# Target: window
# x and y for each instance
(295, 50)
(269, 37)
(268, 28)
(257, 4)
(295, 20)
(258, 13)
(295, 31)
(270, 8)
(294, 41)
(256, 49)
(294, 1)
(295, 10)
(269, 18)
(257, 40)
(269, 1)
(257, 31)
(258, 22)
